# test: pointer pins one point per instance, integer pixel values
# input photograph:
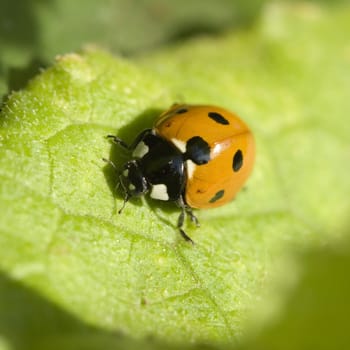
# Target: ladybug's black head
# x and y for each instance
(133, 180)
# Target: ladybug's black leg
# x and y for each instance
(193, 217)
(126, 196)
(181, 219)
(119, 141)
(180, 223)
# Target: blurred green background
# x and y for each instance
(33, 32)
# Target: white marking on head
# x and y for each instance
(160, 192)
(191, 167)
(131, 187)
(181, 145)
(126, 172)
(140, 150)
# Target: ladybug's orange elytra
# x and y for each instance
(232, 151)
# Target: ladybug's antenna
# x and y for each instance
(108, 161)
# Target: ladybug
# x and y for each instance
(195, 155)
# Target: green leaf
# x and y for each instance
(67, 256)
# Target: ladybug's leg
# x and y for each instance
(193, 217)
(126, 197)
(117, 140)
(180, 223)
(181, 219)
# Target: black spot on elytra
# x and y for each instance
(218, 118)
(181, 111)
(197, 150)
(237, 161)
(217, 196)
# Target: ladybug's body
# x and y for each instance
(196, 156)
